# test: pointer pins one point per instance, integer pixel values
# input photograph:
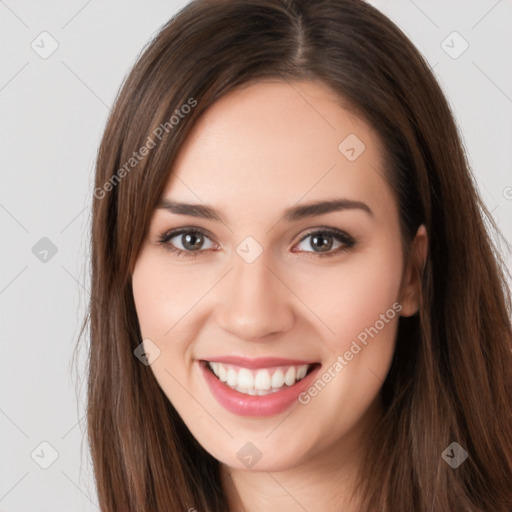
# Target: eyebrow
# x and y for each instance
(292, 214)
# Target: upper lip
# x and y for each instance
(258, 362)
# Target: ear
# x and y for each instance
(410, 289)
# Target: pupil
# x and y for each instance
(192, 241)
(325, 244)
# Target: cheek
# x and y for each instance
(163, 293)
(162, 299)
(149, 297)
(351, 296)
(359, 302)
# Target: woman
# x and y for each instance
(295, 303)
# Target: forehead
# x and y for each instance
(275, 143)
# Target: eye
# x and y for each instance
(323, 242)
(187, 242)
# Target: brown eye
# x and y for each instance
(192, 242)
(326, 242)
(322, 242)
(186, 242)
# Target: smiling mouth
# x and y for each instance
(263, 381)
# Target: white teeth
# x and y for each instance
(245, 379)
(278, 378)
(247, 391)
(258, 382)
(262, 380)
(232, 377)
(289, 378)
(301, 371)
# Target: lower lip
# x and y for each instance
(255, 405)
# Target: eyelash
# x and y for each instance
(348, 241)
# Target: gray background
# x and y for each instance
(53, 112)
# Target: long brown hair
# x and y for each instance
(451, 375)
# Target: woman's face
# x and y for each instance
(269, 286)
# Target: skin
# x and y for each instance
(252, 155)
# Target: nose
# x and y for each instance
(254, 301)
